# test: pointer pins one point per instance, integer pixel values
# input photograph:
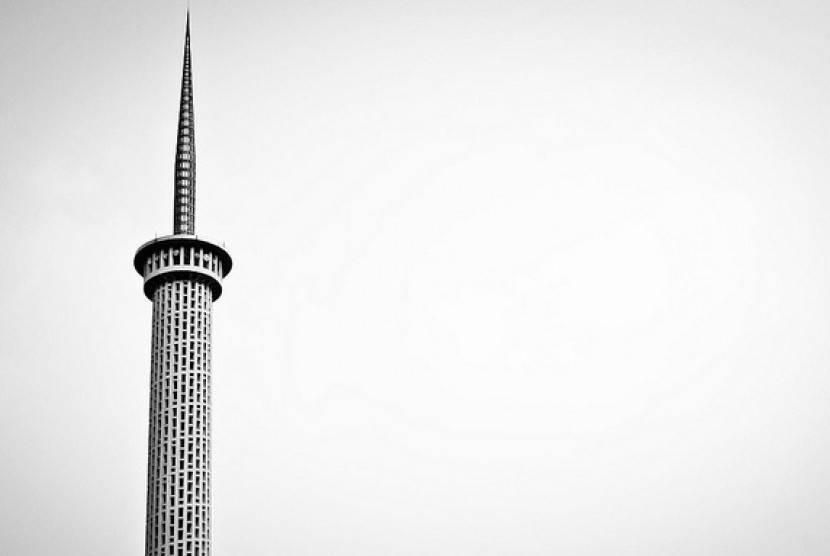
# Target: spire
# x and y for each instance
(184, 204)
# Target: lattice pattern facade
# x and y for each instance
(178, 480)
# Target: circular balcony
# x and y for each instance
(182, 257)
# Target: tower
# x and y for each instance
(182, 277)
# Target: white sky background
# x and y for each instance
(511, 278)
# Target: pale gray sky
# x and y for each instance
(511, 277)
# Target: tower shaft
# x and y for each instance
(178, 475)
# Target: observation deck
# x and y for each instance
(182, 256)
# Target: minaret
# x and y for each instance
(182, 277)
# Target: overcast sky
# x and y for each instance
(512, 278)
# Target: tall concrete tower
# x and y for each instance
(182, 277)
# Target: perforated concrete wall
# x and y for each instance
(178, 481)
